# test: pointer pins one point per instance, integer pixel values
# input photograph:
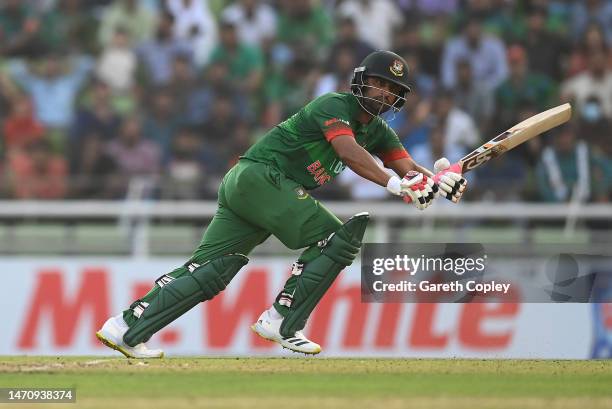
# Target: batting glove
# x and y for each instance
(449, 180)
(414, 188)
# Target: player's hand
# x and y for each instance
(415, 188)
(449, 179)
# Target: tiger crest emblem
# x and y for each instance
(397, 68)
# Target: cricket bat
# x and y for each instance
(513, 137)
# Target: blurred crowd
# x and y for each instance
(108, 99)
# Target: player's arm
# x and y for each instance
(359, 160)
(415, 185)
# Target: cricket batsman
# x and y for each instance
(266, 193)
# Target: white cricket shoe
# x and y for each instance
(111, 335)
(269, 328)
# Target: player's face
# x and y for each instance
(380, 94)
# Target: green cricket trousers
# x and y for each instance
(255, 201)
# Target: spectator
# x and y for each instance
(195, 24)
(38, 173)
(161, 120)
(414, 122)
(435, 147)
(19, 29)
(255, 20)
(304, 25)
(183, 85)
(185, 176)
(421, 80)
(340, 73)
(21, 128)
(55, 90)
(595, 127)
(153, 44)
(431, 8)
(427, 48)
(244, 63)
(131, 16)
(117, 63)
(503, 179)
(95, 176)
(543, 46)
(460, 131)
(158, 54)
(375, 20)
(288, 90)
(223, 134)
(347, 38)
(8, 93)
(202, 99)
(70, 25)
(497, 16)
(595, 82)
(486, 53)
(592, 41)
(136, 156)
(522, 87)
(569, 170)
(473, 97)
(97, 115)
(558, 15)
(49, 37)
(588, 11)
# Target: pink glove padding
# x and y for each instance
(449, 179)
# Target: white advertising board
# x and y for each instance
(54, 306)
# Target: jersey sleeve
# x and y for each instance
(388, 147)
(332, 117)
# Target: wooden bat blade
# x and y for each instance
(516, 135)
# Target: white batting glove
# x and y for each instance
(451, 183)
(415, 188)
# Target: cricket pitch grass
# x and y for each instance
(319, 383)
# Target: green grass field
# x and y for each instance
(179, 383)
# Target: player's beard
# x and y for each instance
(375, 106)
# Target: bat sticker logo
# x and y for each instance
(490, 151)
(478, 160)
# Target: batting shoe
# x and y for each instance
(269, 328)
(111, 335)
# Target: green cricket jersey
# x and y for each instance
(300, 146)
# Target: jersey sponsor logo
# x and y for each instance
(397, 68)
(319, 173)
(332, 121)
